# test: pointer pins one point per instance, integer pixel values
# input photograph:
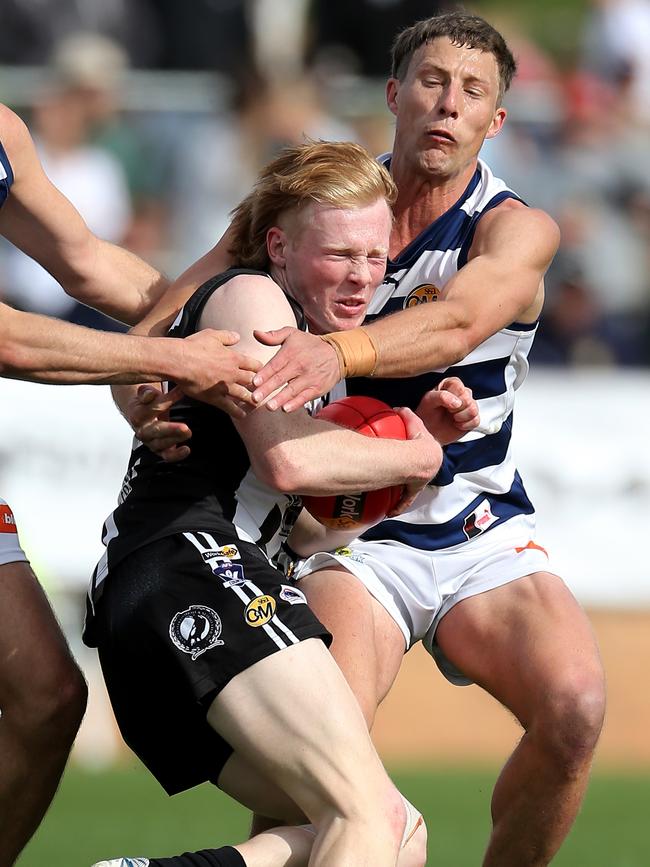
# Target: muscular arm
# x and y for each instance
(298, 454)
(501, 283)
(41, 349)
(39, 220)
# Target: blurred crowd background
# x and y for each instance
(153, 117)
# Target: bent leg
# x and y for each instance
(42, 698)
(529, 644)
(367, 645)
(292, 716)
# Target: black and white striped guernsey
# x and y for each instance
(215, 483)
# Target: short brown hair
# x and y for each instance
(341, 174)
(461, 29)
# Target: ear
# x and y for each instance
(276, 242)
(497, 122)
(392, 89)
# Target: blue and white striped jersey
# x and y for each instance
(6, 175)
(478, 485)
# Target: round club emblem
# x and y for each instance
(196, 630)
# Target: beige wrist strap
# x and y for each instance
(356, 352)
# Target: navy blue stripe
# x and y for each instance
(469, 237)
(5, 183)
(445, 233)
(468, 457)
(485, 378)
(433, 537)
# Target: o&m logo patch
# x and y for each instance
(421, 295)
(260, 610)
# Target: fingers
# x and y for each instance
(407, 499)
(174, 454)
(293, 397)
(159, 435)
(226, 338)
(273, 338)
(246, 362)
(157, 401)
(413, 424)
(458, 400)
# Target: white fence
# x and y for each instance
(583, 442)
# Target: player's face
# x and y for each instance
(333, 260)
(446, 106)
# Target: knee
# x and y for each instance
(572, 717)
(55, 705)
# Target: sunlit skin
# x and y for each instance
(331, 260)
(445, 107)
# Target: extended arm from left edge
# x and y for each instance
(39, 220)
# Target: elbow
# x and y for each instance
(458, 345)
(279, 468)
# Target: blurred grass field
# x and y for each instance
(98, 815)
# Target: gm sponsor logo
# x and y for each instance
(260, 610)
(421, 295)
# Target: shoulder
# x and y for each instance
(513, 221)
(248, 302)
(14, 135)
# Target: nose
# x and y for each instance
(359, 272)
(448, 102)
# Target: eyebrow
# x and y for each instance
(375, 252)
(427, 67)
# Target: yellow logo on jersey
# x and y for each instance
(260, 610)
(421, 295)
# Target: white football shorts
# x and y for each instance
(10, 550)
(417, 588)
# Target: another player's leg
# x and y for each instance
(277, 847)
(530, 645)
(293, 717)
(42, 698)
(367, 644)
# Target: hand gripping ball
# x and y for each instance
(373, 418)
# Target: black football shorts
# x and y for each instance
(177, 620)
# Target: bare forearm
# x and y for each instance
(41, 349)
(339, 461)
(415, 341)
(309, 536)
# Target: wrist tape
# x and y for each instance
(355, 350)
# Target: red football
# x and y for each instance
(374, 418)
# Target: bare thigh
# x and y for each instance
(33, 650)
(293, 718)
(368, 646)
(527, 642)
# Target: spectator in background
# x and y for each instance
(356, 36)
(95, 68)
(616, 39)
(205, 34)
(31, 30)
